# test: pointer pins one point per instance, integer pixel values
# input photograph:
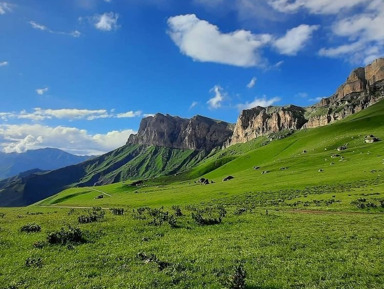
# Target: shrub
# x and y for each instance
(94, 215)
(177, 210)
(117, 211)
(2, 215)
(239, 211)
(237, 279)
(200, 220)
(64, 237)
(30, 228)
(34, 262)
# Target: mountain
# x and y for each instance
(11, 164)
(164, 145)
(197, 133)
(363, 87)
(169, 145)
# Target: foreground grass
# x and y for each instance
(279, 247)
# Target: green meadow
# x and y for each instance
(298, 213)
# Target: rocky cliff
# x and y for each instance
(259, 121)
(363, 87)
(198, 133)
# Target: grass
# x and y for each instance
(312, 221)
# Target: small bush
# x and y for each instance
(39, 245)
(200, 220)
(34, 262)
(2, 215)
(177, 210)
(64, 237)
(237, 279)
(117, 211)
(94, 215)
(239, 211)
(30, 228)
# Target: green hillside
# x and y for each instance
(313, 219)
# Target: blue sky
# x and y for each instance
(81, 74)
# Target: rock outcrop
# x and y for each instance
(363, 87)
(260, 121)
(198, 133)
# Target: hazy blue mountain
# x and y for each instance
(12, 164)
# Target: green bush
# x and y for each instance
(64, 237)
(30, 228)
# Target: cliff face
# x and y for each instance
(198, 133)
(363, 87)
(260, 121)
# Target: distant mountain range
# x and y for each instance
(169, 145)
(12, 164)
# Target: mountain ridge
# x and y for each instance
(12, 164)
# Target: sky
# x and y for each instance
(80, 75)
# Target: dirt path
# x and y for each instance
(104, 193)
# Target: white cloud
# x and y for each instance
(19, 138)
(295, 39)
(106, 21)
(129, 114)
(252, 82)
(41, 27)
(193, 104)
(148, 114)
(363, 34)
(302, 95)
(41, 91)
(204, 42)
(39, 114)
(38, 26)
(4, 63)
(316, 6)
(215, 102)
(4, 8)
(263, 102)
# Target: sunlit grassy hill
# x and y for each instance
(306, 158)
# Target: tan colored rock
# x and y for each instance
(260, 121)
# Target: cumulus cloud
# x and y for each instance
(39, 114)
(252, 82)
(41, 91)
(5, 8)
(204, 42)
(129, 114)
(264, 102)
(364, 33)
(3, 63)
(315, 6)
(19, 138)
(106, 21)
(215, 102)
(295, 39)
(41, 27)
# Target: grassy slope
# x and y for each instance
(293, 228)
(359, 160)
